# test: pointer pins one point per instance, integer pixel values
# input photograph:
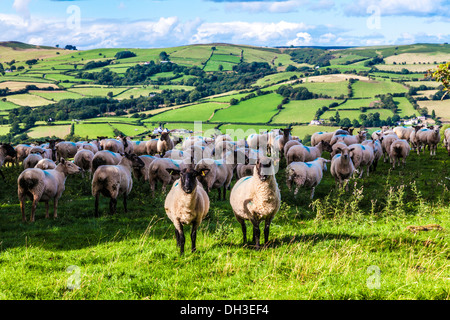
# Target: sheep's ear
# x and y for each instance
(173, 172)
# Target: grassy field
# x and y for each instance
(441, 108)
(330, 250)
(29, 100)
(92, 130)
(59, 131)
(258, 109)
(364, 89)
(300, 111)
(197, 112)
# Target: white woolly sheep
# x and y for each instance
(187, 203)
(157, 172)
(114, 180)
(349, 139)
(83, 159)
(164, 144)
(43, 186)
(342, 167)
(386, 141)
(305, 174)
(66, 149)
(105, 157)
(362, 157)
(428, 137)
(301, 153)
(143, 172)
(377, 152)
(46, 164)
(447, 140)
(216, 174)
(399, 149)
(31, 160)
(256, 198)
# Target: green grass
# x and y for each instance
(384, 114)
(7, 105)
(4, 129)
(59, 131)
(96, 91)
(92, 130)
(56, 96)
(364, 89)
(302, 111)
(323, 252)
(405, 107)
(196, 112)
(258, 109)
(332, 89)
(27, 99)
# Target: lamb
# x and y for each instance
(349, 139)
(342, 167)
(256, 198)
(428, 137)
(187, 203)
(46, 164)
(157, 172)
(216, 174)
(307, 174)
(31, 160)
(399, 149)
(66, 149)
(114, 180)
(83, 159)
(304, 154)
(362, 157)
(43, 186)
(105, 157)
(164, 144)
(6, 150)
(447, 140)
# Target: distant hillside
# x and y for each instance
(16, 45)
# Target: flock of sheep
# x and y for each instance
(195, 165)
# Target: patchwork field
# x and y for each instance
(442, 108)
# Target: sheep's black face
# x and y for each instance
(264, 169)
(137, 162)
(189, 180)
(10, 151)
(164, 136)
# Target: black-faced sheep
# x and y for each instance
(342, 167)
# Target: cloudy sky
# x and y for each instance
(91, 24)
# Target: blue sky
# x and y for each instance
(165, 23)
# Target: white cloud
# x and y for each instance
(266, 6)
(21, 7)
(327, 38)
(302, 39)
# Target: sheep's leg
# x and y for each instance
(244, 230)
(256, 233)
(219, 194)
(33, 208)
(266, 232)
(312, 192)
(182, 240)
(224, 193)
(97, 196)
(55, 209)
(22, 209)
(3, 176)
(112, 206)
(194, 236)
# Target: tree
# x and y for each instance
(220, 67)
(442, 74)
(163, 56)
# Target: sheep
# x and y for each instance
(143, 172)
(113, 145)
(44, 185)
(308, 174)
(45, 153)
(139, 147)
(244, 170)
(278, 143)
(335, 149)
(447, 140)
(386, 141)
(399, 149)
(258, 141)
(89, 146)
(289, 144)
(377, 152)
(127, 144)
(304, 154)
(256, 198)
(321, 136)
(362, 157)
(403, 132)
(164, 144)
(412, 137)
(6, 150)
(46, 164)
(114, 180)
(428, 137)
(342, 167)
(349, 139)
(105, 157)
(187, 203)
(66, 149)
(31, 160)
(151, 146)
(217, 174)
(157, 172)
(22, 151)
(83, 159)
